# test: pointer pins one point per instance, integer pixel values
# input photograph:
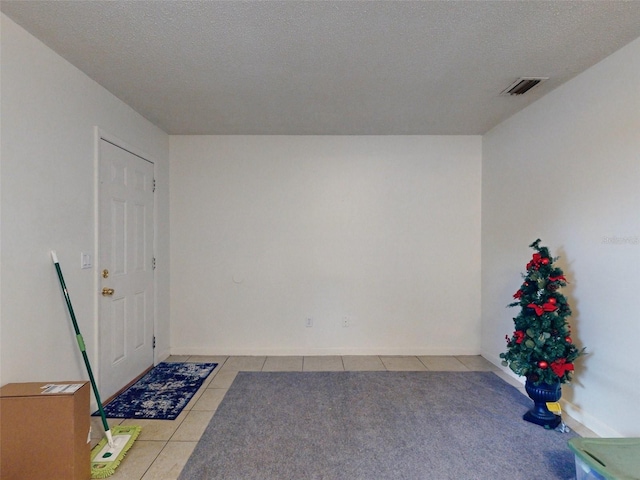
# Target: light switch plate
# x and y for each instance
(85, 260)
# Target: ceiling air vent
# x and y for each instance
(523, 85)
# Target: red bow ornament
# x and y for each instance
(560, 367)
(559, 278)
(547, 307)
(535, 261)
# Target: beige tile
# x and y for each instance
(170, 462)
(329, 363)
(210, 399)
(206, 383)
(442, 363)
(97, 429)
(403, 364)
(177, 358)
(360, 363)
(283, 364)
(210, 378)
(196, 396)
(191, 429)
(157, 430)
(138, 460)
(477, 363)
(245, 364)
(223, 379)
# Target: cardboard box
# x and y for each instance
(44, 432)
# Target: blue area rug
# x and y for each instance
(162, 393)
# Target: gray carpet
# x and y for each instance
(375, 426)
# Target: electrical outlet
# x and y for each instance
(345, 321)
(309, 322)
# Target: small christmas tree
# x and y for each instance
(541, 347)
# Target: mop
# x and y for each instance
(107, 454)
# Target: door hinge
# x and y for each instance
(154, 185)
(153, 263)
(154, 341)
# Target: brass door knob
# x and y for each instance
(107, 292)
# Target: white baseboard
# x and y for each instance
(241, 351)
(161, 356)
(592, 423)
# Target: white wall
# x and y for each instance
(567, 170)
(269, 230)
(49, 110)
(385, 230)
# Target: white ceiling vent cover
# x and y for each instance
(523, 85)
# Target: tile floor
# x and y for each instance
(163, 447)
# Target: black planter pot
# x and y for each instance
(541, 394)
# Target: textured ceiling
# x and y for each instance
(328, 67)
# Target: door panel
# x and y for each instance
(126, 252)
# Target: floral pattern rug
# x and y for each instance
(162, 393)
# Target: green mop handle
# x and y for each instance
(80, 341)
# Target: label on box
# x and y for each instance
(60, 388)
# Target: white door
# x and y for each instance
(126, 263)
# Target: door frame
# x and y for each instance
(99, 135)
